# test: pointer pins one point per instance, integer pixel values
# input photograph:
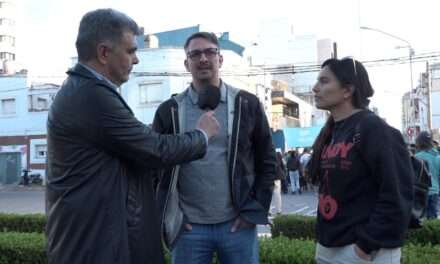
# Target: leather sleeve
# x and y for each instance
(118, 131)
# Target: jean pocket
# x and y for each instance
(355, 255)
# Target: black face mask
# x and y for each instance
(209, 97)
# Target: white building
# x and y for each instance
(435, 96)
(23, 115)
(277, 45)
(7, 31)
(288, 110)
(421, 108)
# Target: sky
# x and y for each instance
(46, 31)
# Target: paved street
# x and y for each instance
(304, 204)
(31, 200)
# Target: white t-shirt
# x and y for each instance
(305, 159)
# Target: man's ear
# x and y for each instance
(186, 64)
(220, 59)
(102, 51)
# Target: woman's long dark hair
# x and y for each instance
(349, 72)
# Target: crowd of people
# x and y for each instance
(201, 178)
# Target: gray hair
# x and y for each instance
(102, 25)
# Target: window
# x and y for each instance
(40, 151)
(151, 92)
(436, 73)
(8, 40)
(7, 56)
(8, 106)
(7, 22)
(40, 102)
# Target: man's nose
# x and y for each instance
(315, 88)
(203, 57)
(135, 59)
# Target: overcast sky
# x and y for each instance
(46, 30)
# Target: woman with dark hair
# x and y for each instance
(362, 168)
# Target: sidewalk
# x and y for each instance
(17, 188)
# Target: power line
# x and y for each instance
(284, 69)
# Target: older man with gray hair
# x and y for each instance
(100, 200)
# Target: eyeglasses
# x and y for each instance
(197, 54)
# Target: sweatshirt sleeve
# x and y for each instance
(389, 163)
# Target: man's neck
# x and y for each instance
(197, 85)
(99, 69)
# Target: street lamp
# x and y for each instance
(411, 54)
(408, 45)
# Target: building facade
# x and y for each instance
(421, 106)
(277, 46)
(23, 115)
(7, 32)
(434, 100)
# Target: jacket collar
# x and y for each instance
(87, 72)
(81, 71)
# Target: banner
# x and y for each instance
(300, 137)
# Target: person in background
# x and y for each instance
(304, 161)
(412, 149)
(276, 206)
(362, 168)
(293, 167)
(285, 183)
(427, 153)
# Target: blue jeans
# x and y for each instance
(294, 180)
(431, 212)
(198, 245)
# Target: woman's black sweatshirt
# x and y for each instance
(366, 186)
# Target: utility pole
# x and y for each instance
(429, 85)
(412, 114)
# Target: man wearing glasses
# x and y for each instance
(213, 205)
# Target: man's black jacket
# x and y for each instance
(251, 160)
(99, 199)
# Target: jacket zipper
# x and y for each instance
(235, 150)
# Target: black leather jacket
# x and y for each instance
(100, 200)
(251, 160)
